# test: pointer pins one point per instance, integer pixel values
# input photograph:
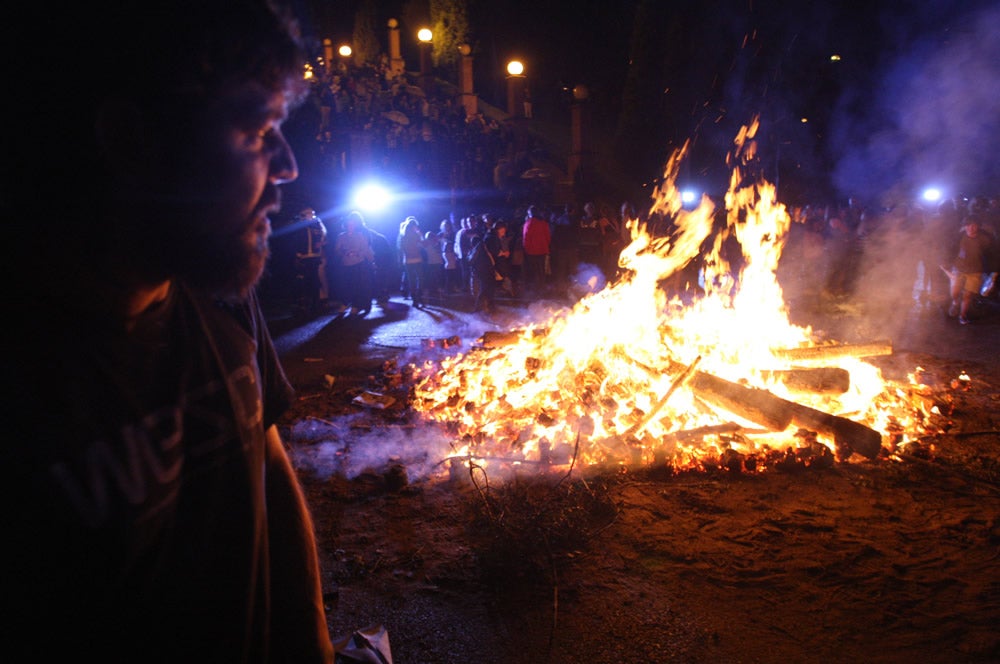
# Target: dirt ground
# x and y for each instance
(886, 560)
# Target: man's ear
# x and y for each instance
(123, 138)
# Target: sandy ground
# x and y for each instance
(886, 560)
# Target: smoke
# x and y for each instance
(361, 441)
(349, 446)
(932, 114)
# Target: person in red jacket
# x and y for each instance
(537, 239)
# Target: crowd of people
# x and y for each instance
(946, 257)
(370, 118)
(536, 251)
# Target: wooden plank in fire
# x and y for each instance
(834, 351)
(771, 411)
(501, 338)
(818, 380)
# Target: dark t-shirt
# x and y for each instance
(972, 253)
(138, 478)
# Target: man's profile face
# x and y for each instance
(226, 185)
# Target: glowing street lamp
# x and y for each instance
(345, 50)
(424, 36)
(516, 83)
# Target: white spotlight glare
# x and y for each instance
(931, 194)
(372, 197)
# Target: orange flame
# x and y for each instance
(601, 383)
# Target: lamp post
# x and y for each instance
(469, 100)
(424, 36)
(345, 52)
(580, 128)
(516, 82)
(396, 65)
(328, 55)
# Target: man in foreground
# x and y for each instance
(154, 515)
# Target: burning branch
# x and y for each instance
(680, 380)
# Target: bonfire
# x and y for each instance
(634, 374)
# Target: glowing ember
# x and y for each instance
(610, 381)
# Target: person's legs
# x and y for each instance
(970, 289)
(955, 289)
(414, 277)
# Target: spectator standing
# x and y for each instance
(150, 487)
(354, 254)
(498, 244)
(840, 242)
(484, 276)
(452, 270)
(515, 231)
(589, 235)
(611, 242)
(384, 270)
(938, 245)
(310, 260)
(471, 229)
(434, 264)
(463, 250)
(988, 214)
(411, 257)
(564, 244)
(967, 269)
(537, 239)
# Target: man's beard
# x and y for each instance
(226, 266)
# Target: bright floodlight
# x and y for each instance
(515, 67)
(932, 194)
(372, 197)
(689, 196)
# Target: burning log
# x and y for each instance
(756, 405)
(776, 414)
(834, 351)
(818, 380)
(713, 430)
(501, 338)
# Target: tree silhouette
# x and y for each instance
(365, 42)
(450, 24)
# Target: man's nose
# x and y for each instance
(283, 166)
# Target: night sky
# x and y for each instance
(913, 100)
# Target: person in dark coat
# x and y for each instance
(484, 276)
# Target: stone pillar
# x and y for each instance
(469, 99)
(396, 64)
(426, 71)
(328, 55)
(515, 96)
